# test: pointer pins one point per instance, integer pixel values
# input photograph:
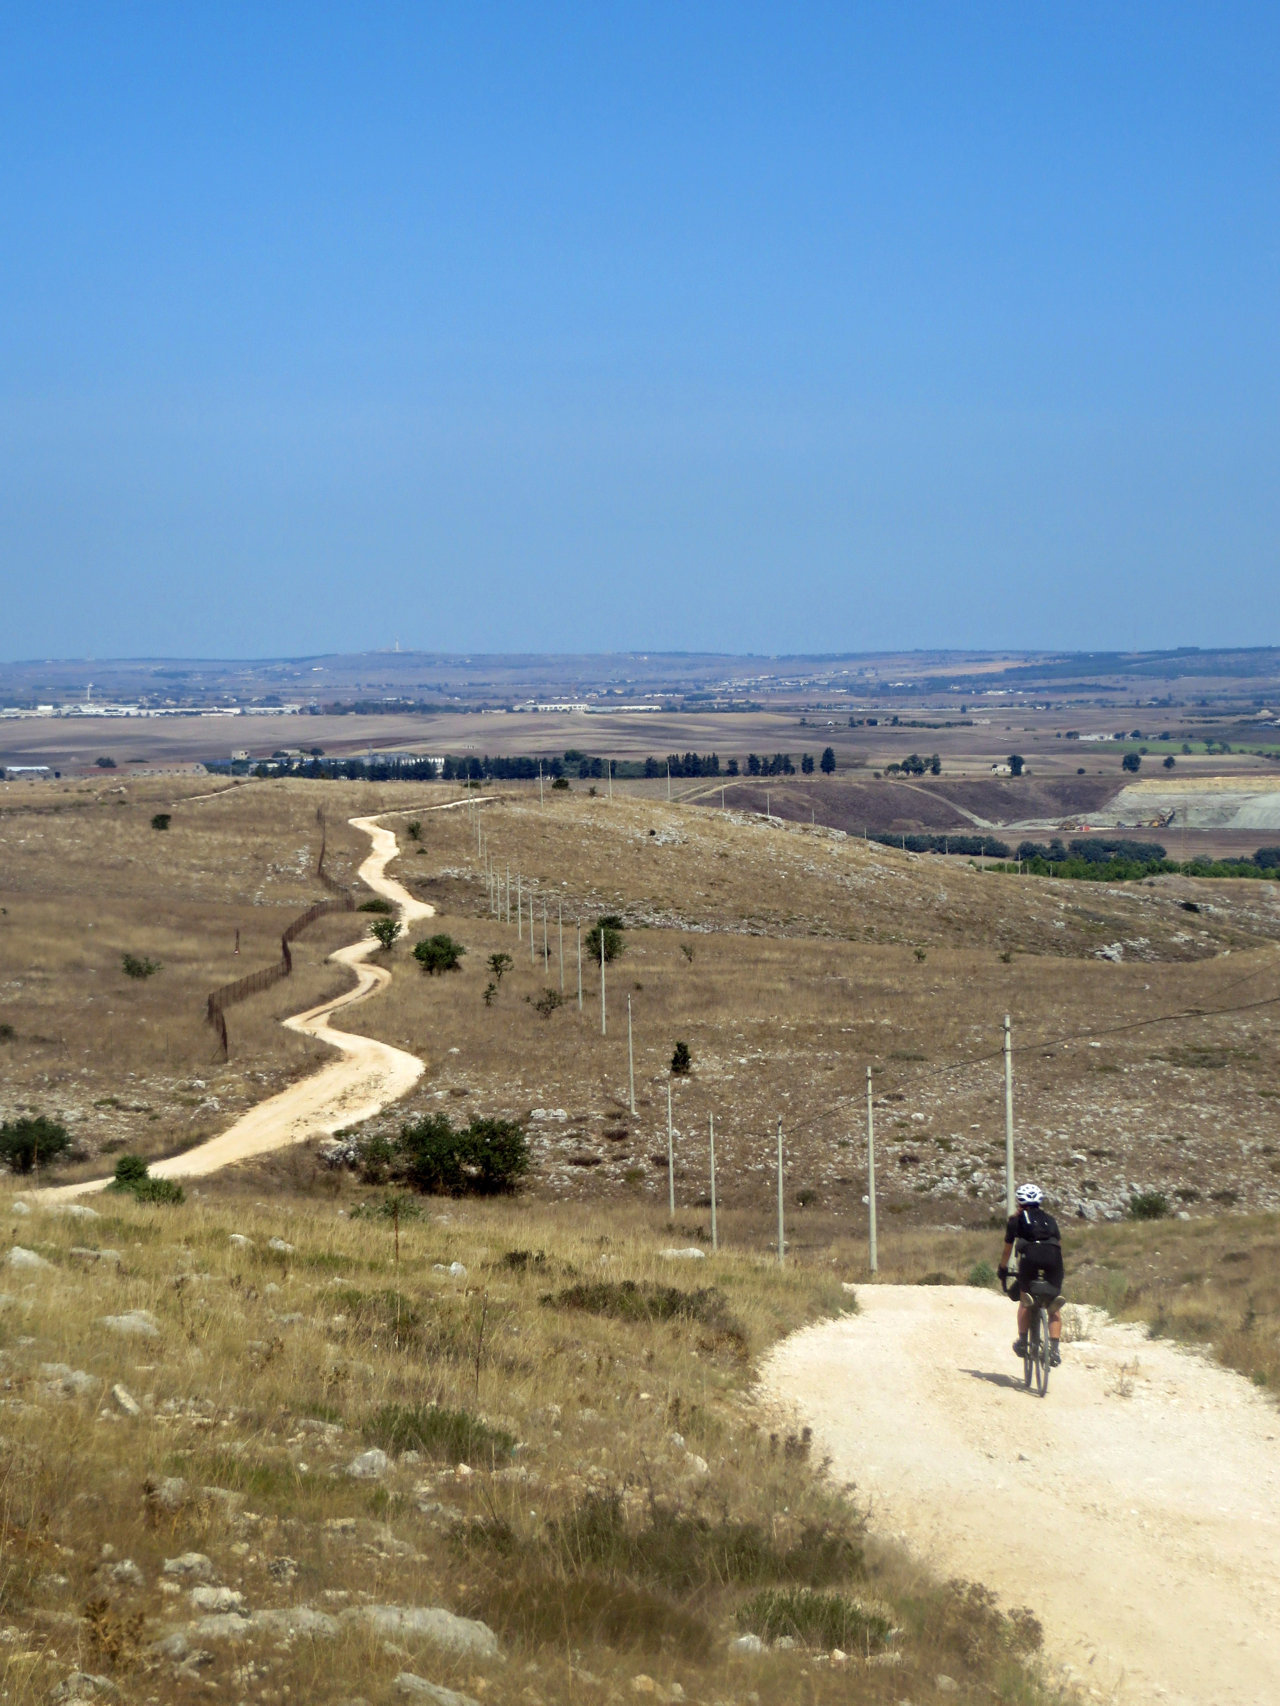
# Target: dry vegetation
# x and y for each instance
(572, 1458)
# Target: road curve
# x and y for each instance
(1134, 1509)
(368, 1075)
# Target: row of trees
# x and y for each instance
(585, 766)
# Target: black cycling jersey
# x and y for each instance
(1032, 1225)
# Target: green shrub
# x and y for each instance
(377, 904)
(385, 931)
(448, 1436)
(814, 1619)
(131, 1175)
(439, 954)
(982, 1273)
(681, 1061)
(32, 1141)
(486, 1158)
(161, 820)
(6, 1033)
(1148, 1205)
(560, 785)
(134, 966)
(610, 929)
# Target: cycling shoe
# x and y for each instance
(1020, 1347)
(1055, 1355)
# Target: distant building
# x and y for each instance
(1002, 770)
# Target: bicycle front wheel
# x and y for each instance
(1029, 1355)
(1042, 1352)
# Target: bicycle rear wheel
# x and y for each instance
(1029, 1355)
(1042, 1351)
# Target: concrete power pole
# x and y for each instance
(873, 1257)
(1009, 1185)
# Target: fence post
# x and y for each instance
(579, 965)
(782, 1239)
(671, 1157)
(871, 1180)
(715, 1241)
(1009, 1186)
(603, 1025)
(560, 931)
(546, 958)
(519, 909)
(631, 1061)
(533, 958)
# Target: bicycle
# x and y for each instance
(1035, 1362)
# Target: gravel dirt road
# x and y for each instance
(367, 1076)
(1133, 1509)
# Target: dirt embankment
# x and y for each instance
(1133, 1509)
(936, 803)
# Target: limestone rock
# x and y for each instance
(418, 1688)
(192, 1564)
(20, 1258)
(133, 1324)
(125, 1401)
(433, 1623)
(210, 1598)
(369, 1465)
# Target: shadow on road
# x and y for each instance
(1008, 1380)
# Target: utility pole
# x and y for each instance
(782, 1239)
(611, 779)
(631, 1061)
(671, 1157)
(508, 906)
(603, 1025)
(768, 805)
(519, 909)
(1008, 1117)
(668, 781)
(715, 1241)
(579, 965)
(540, 799)
(533, 958)
(546, 958)
(560, 929)
(873, 1256)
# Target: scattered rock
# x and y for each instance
(696, 1465)
(947, 1685)
(784, 1643)
(169, 1493)
(175, 1646)
(133, 1324)
(746, 1644)
(222, 1626)
(193, 1564)
(83, 1254)
(69, 1382)
(83, 1685)
(418, 1688)
(280, 1246)
(78, 1211)
(19, 1208)
(296, 1620)
(689, 1254)
(20, 1258)
(127, 1574)
(369, 1465)
(456, 1634)
(240, 1241)
(209, 1598)
(125, 1401)
(457, 1270)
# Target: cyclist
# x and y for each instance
(1034, 1233)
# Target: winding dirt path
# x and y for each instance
(1134, 1509)
(367, 1076)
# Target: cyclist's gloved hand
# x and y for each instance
(1002, 1274)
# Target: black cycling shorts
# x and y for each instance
(1040, 1261)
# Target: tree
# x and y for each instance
(610, 928)
(385, 931)
(498, 964)
(562, 783)
(1017, 763)
(105, 763)
(131, 1176)
(31, 1141)
(828, 759)
(1170, 762)
(681, 1061)
(1132, 762)
(161, 820)
(413, 829)
(935, 765)
(133, 966)
(806, 764)
(441, 954)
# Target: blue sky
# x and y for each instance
(602, 326)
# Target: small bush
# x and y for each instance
(133, 966)
(547, 1002)
(161, 820)
(1148, 1205)
(413, 829)
(630, 1300)
(385, 932)
(377, 904)
(982, 1273)
(486, 1158)
(131, 1176)
(448, 1436)
(32, 1141)
(439, 954)
(105, 763)
(681, 1061)
(814, 1619)
(609, 929)
(6, 1033)
(560, 785)
(499, 964)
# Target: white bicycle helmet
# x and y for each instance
(1028, 1194)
